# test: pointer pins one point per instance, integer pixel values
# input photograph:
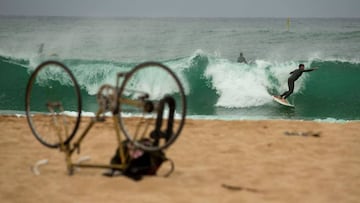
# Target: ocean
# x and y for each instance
(203, 53)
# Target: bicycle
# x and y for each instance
(158, 109)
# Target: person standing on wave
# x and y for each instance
(295, 74)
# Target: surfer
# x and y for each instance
(41, 52)
(41, 48)
(295, 74)
(241, 58)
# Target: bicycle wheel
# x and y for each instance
(152, 106)
(53, 104)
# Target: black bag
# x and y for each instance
(140, 162)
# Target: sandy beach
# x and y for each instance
(215, 161)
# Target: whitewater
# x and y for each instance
(202, 53)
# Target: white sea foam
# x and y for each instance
(247, 85)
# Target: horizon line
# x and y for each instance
(204, 17)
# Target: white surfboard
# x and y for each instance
(281, 101)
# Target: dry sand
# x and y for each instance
(215, 161)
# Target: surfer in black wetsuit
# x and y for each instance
(241, 58)
(295, 74)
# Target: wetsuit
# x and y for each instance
(295, 74)
(241, 59)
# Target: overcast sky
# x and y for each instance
(183, 8)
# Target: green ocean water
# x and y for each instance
(202, 52)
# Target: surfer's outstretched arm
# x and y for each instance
(310, 69)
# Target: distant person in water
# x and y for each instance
(41, 48)
(41, 51)
(295, 74)
(241, 58)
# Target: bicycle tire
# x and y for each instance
(42, 123)
(128, 83)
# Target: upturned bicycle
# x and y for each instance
(156, 107)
